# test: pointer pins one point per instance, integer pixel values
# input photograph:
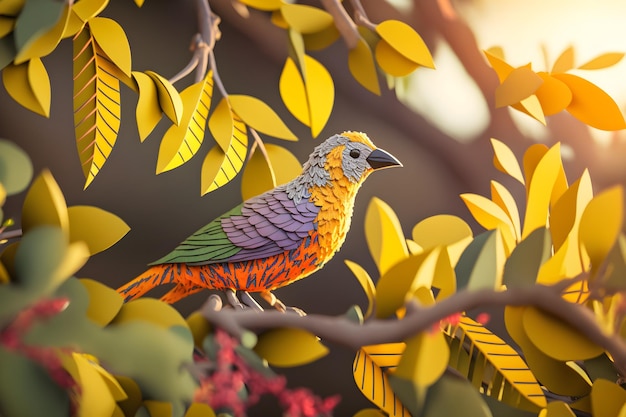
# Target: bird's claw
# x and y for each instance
(279, 305)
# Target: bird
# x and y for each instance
(275, 238)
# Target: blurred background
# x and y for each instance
(440, 130)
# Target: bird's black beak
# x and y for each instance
(382, 159)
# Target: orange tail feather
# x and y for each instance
(151, 278)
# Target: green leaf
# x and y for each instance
(522, 266)
(36, 18)
(98, 228)
(287, 347)
(16, 169)
(453, 396)
(480, 265)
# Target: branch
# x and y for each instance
(345, 25)
(11, 234)
(342, 331)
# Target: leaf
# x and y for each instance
(199, 410)
(503, 198)
(408, 43)
(88, 9)
(519, 84)
(322, 39)
(259, 116)
(29, 85)
(261, 175)
(566, 212)
(305, 19)
(511, 374)
(554, 95)
(498, 64)
(104, 302)
(600, 225)
(466, 400)
(97, 108)
(557, 409)
(480, 265)
(35, 19)
(505, 161)
(443, 230)
(370, 412)
(45, 41)
(95, 398)
(384, 235)
(148, 112)
(362, 67)
(320, 91)
(370, 368)
(7, 51)
(531, 106)
(522, 266)
(169, 99)
(44, 204)
(393, 62)
(491, 216)
(11, 7)
(607, 398)
(112, 40)
(149, 310)
(425, 358)
(603, 61)
(98, 228)
(564, 62)
(293, 92)
(199, 326)
(16, 169)
(287, 347)
(366, 283)
(181, 142)
(591, 105)
(266, 5)
(397, 284)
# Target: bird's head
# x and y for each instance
(344, 160)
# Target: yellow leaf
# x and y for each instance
(384, 235)
(362, 67)
(306, 19)
(370, 412)
(398, 284)
(504, 160)
(44, 204)
(266, 5)
(88, 9)
(392, 61)
(259, 116)
(366, 283)
(199, 326)
(532, 107)
(148, 112)
(532, 156)
(320, 91)
(98, 228)
(112, 40)
(159, 408)
(557, 409)
(97, 108)
(180, 143)
(75, 257)
(293, 92)
(104, 302)
(95, 399)
(564, 62)
(565, 213)
(29, 85)
(169, 99)
(287, 347)
(425, 358)
(607, 398)
(443, 230)
(7, 24)
(46, 42)
(261, 175)
(503, 198)
(199, 410)
(554, 95)
(518, 85)
(221, 124)
(487, 213)
(591, 105)
(150, 310)
(603, 61)
(600, 225)
(540, 190)
(408, 43)
(498, 64)
(322, 39)
(370, 376)
(11, 7)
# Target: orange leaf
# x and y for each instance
(519, 84)
(554, 95)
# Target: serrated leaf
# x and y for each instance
(29, 85)
(480, 265)
(370, 368)
(592, 105)
(554, 95)
(46, 42)
(521, 83)
(564, 62)
(180, 143)
(406, 41)
(362, 67)
(97, 108)
(35, 19)
(305, 19)
(16, 169)
(112, 40)
(287, 347)
(219, 167)
(259, 116)
(603, 61)
(149, 310)
(44, 204)
(393, 62)
(261, 175)
(169, 99)
(384, 235)
(148, 112)
(293, 92)
(98, 228)
(104, 302)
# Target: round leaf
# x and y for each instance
(16, 169)
(150, 310)
(98, 228)
(443, 230)
(392, 61)
(402, 38)
(289, 347)
(306, 19)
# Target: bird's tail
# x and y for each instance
(151, 278)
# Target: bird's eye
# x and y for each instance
(355, 153)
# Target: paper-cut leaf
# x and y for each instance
(467, 401)
(322, 39)
(520, 84)
(320, 91)
(384, 235)
(504, 160)
(35, 19)
(29, 85)
(362, 67)
(97, 108)
(600, 225)
(532, 107)
(112, 40)
(95, 398)
(503, 198)
(98, 228)
(554, 95)
(261, 175)
(159, 408)
(607, 398)
(480, 265)
(603, 61)
(490, 215)
(16, 169)
(266, 5)
(565, 213)
(305, 19)
(104, 302)
(564, 62)
(397, 285)
(293, 92)
(393, 62)
(522, 266)
(370, 412)
(592, 105)
(498, 64)
(11, 7)
(148, 112)
(366, 283)
(199, 326)
(260, 116)
(531, 159)
(199, 410)
(150, 310)
(557, 409)
(443, 230)
(425, 358)
(370, 368)
(169, 99)
(287, 347)
(221, 124)
(44, 204)
(88, 9)
(46, 41)
(181, 142)
(406, 41)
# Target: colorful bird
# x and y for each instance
(275, 238)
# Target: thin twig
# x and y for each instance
(360, 16)
(11, 234)
(345, 25)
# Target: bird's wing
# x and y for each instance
(263, 226)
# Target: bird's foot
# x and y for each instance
(279, 305)
(231, 296)
(249, 301)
